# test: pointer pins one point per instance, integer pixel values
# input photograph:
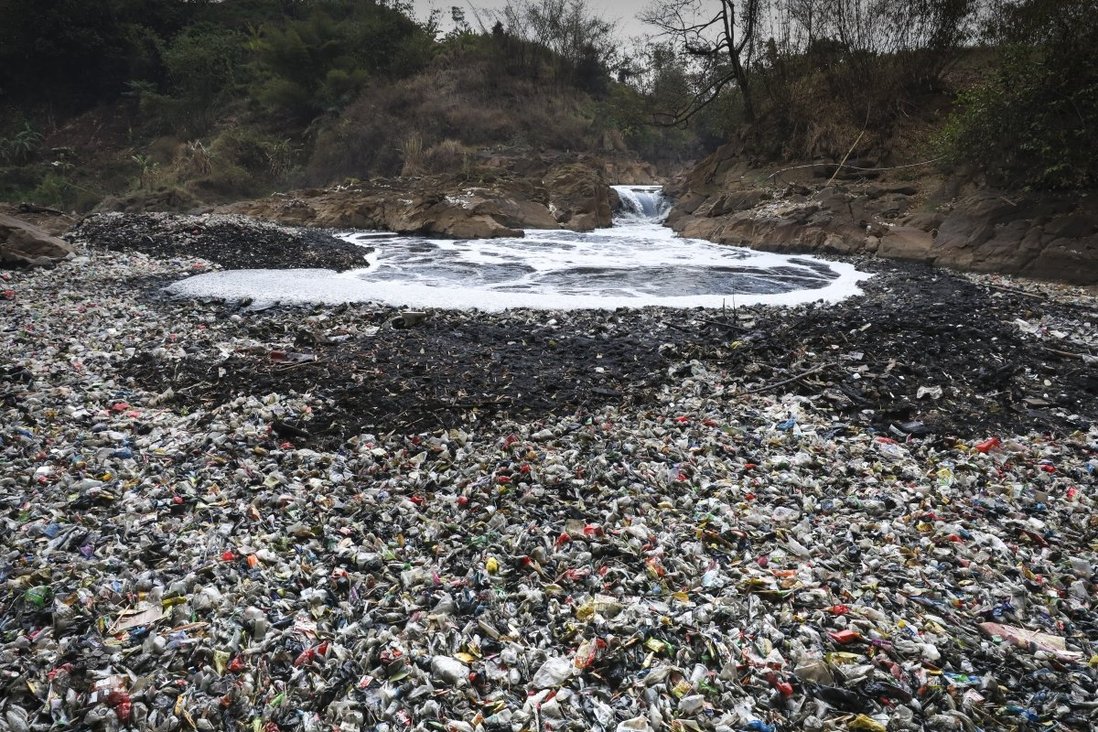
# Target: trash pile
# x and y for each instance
(923, 352)
(233, 241)
(719, 551)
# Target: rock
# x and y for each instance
(50, 220)
(850, 169)
(461, 217)
(631, 172)
(728, 203)
(436, 205)
(877, 190)
(1047, 236)
(1041, 235)
(907, 242)
(25, 244)
(707, 178)
(925, 220)
(579, 197)
(685, 205)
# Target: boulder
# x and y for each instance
(510, 210)
(579, 197)
(925, 220)
(50, 220)
(907, 242)
(1047, 236)
(711, 174)
(24, 244)
(631, 172)
(684, 208)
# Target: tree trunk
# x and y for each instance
(741, 79)
(728, 12)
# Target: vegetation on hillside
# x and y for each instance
(1032, 122)
(807, 79)
(192, 101)
(203, 101)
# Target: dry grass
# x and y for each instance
(443, 118)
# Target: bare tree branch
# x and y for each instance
(711, 35)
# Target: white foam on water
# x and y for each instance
(637, 264)
(645, 203)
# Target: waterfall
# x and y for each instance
(642, 203)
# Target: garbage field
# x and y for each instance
(875, 515)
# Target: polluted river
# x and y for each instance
(870, 511)
(636, 263)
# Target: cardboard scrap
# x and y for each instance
(143, 614)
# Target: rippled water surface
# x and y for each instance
(636, 263)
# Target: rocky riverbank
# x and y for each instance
(875, 515)
(572, 196)
(895, 214)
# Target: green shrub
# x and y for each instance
(61, 191)
(1032, 122)
(21, 145)
(203, 64)
(317, 63)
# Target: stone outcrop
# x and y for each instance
(579, 197)
(1046, 236)
(576, 198)
(50, 220)
(24, 244)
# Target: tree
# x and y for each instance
(1031, 121)
(580, 44)
(202, 63)
(74, 54)
(721, 39)
(318, 62)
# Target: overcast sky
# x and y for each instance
(622, 12)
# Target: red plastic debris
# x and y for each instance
(121, 703)
(845, 636)
(783, 687)
(988, 445)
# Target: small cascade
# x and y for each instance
(642, 204)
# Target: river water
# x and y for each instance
(636, 263)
